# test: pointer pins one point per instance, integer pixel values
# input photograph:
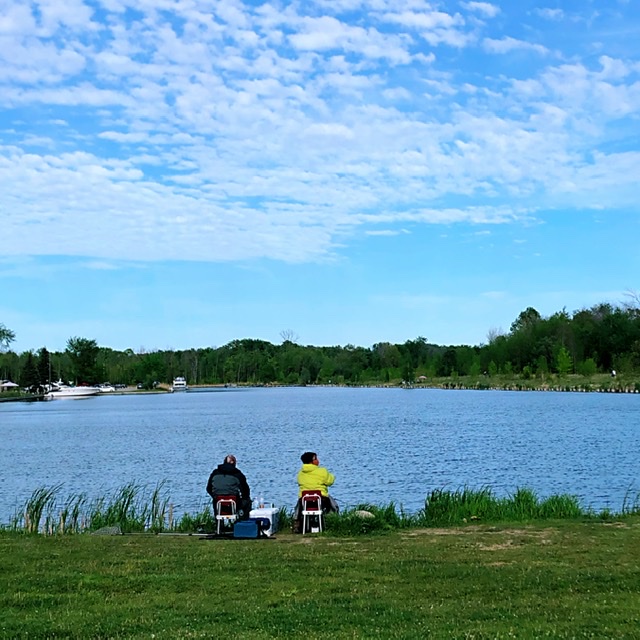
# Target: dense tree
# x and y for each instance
(526, 320)
(588, 341)
(43, 365)
(83, 354)
(29, 377)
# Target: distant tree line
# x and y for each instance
(589, 341)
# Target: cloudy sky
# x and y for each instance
(182, 173)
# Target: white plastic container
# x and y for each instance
(271, 513)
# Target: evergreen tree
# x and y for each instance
(44, 366)
(29, 378)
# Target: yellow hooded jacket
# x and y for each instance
(313, 478)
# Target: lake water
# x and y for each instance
(382, 444)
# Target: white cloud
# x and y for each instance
(508, 44)
(327, 33)
(386, 232)
(550, 14)
(236, 131)
(484, 8)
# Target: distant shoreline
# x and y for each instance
(566, 386)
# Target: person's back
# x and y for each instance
(227, 480)
(313, 477)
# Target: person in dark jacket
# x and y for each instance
(227, 480)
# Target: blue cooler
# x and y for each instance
(251, 528)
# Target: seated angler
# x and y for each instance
(313, 477)
(227, 480)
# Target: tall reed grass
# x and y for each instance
(135, 509)
(466, 505)
(132, 508)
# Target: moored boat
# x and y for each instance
(59, 390)
(179, 384)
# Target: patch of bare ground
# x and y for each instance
(295, 539)
(514, 537)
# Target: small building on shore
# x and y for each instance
(7, 385)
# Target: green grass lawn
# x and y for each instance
(564, 579)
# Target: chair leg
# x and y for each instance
(311, 522)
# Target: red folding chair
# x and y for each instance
(312, 515)
(226, 511)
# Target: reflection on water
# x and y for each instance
(383, 444)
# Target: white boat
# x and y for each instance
(179, 384)
(59, 390)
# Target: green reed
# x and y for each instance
(122, 510)
(39, 505)
(135, 509)
(72, 515)
(467, 505)
(631, 503)
(202, 521)
(129, 508)
(160, 511)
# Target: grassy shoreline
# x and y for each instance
(469, 565)
(561, 579)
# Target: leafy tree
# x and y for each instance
(327, 370)
(526, 320)
(83, 354)
(6, 337)
(408, 374)
(474, 369)
(542, 366)
(448, 363)
(151, 367)
(564, 362)
(587, 368)
(417, 350)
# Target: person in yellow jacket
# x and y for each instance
(313, 477)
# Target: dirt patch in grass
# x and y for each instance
(514, 537)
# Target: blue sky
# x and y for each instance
(179, 174)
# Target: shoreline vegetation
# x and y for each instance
(598, 383)
(595, 349)
(138, 509)
(471, 566)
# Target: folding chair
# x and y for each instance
(312, 514)
(226, 511)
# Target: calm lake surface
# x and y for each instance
(383, 444)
